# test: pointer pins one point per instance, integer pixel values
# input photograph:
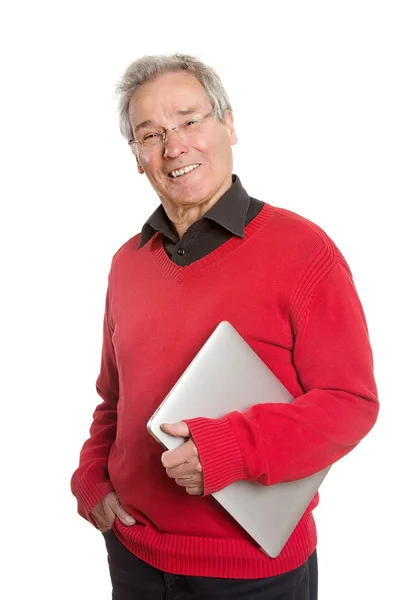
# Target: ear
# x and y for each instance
(139, 166)
(230, 126)
(135, 154)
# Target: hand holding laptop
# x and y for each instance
(183, 464)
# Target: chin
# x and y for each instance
(190, 200)
(187, 197)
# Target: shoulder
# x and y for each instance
(302, 253)
(301, 240)
(310, 256)
(126, 253)
(298, 231)
(129, 247)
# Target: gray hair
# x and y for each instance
(148, 68)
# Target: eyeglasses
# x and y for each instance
(187, 130)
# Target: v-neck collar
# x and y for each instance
(178, 273)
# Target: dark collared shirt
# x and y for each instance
(228, 217)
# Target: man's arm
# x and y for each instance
(275, 442)
(90, 483)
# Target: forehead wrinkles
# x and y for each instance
(165, 113)
(161, 104)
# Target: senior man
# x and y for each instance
(211, 253)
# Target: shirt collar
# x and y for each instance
(230, 212)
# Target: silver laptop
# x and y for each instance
(222, 377)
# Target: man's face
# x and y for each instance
(210, 146)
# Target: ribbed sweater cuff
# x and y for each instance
(219, 452)
(89, 492)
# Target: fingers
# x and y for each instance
(191, 481)
(104, 528)
(102, 514)
(122, 514)
(105, 520)
(183, 465)
(106, 511)
(183, 454)
(189, 469)
(176, 429)
(195, 491)
(104, 524)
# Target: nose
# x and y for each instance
(174, 143)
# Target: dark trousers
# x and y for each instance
(133, 579)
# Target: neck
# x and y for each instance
(183, 217)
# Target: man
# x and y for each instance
(211, 253)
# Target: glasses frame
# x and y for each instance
(133, 141)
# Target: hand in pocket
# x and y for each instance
(107, 510)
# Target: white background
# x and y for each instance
(315, 91)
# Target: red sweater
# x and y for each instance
(288, 291)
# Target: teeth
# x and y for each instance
(179, 172)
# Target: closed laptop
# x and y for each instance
(222, 377)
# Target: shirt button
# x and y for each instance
(181, 251)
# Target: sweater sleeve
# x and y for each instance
(274, 442)
(91, 482)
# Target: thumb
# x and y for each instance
(176, 429)
(123, 515)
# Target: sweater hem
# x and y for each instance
(216, 557)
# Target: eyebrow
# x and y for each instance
(144, 124)
(150, 123)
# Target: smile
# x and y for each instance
(183, 171)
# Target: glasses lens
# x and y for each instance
(188, 128)
(150, 139)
